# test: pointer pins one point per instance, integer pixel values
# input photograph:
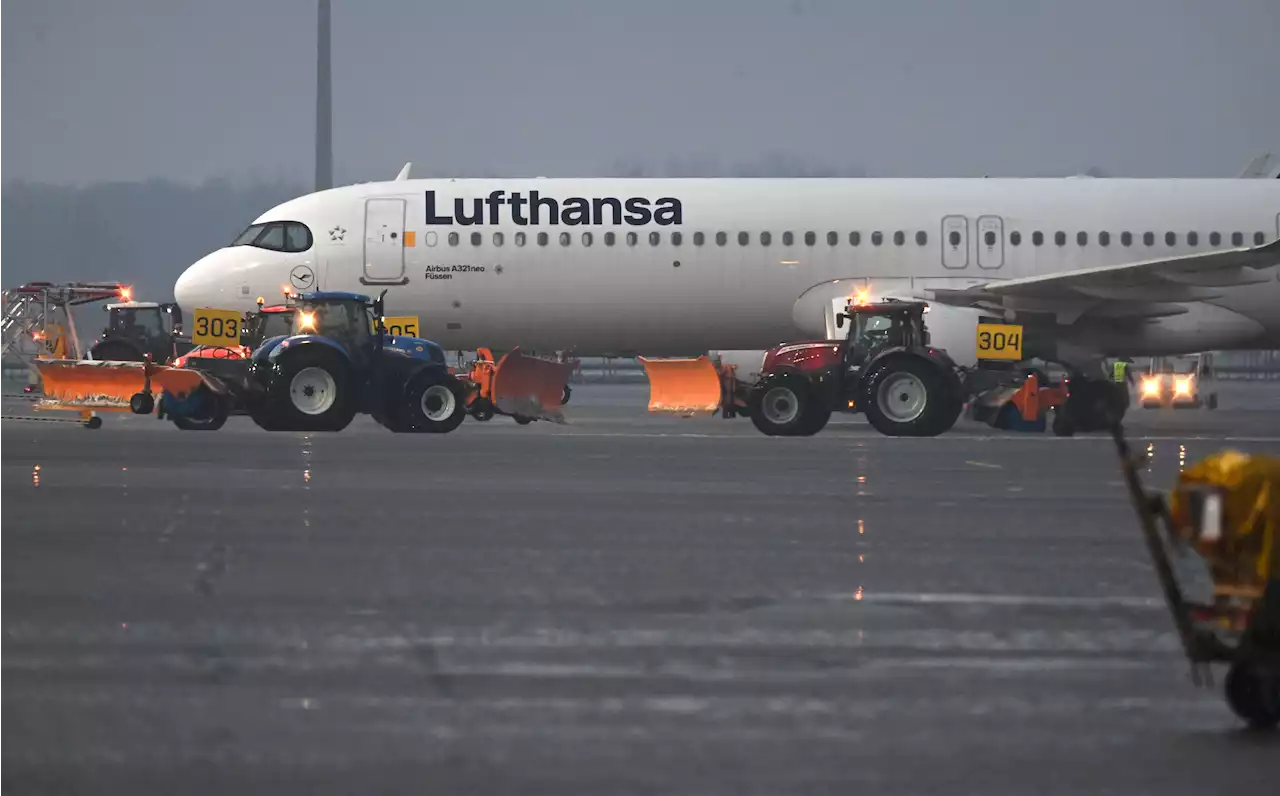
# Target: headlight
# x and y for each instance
(1182, 386)
(1150, 387)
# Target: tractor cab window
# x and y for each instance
(271, 324)
(347, 322)
(871, 333)
(138, 323)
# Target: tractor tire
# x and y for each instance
(784, 405)
(217, 407)
(908, 396)
(1253, 694)
(434, 403)
(313, 389)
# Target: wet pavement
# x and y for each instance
(626, 604)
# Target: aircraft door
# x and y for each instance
(955, 242)
(990, 241)
(384, 242)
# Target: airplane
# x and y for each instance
(676, 267)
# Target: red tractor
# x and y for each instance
(885, 368)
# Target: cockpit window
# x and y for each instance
(278, 236)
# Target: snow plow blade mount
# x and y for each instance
(530, 386)
(86, 384)
(682, 386)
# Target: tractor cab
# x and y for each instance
(267, 322)
(882, 326)
(347, 319)
(137, 328)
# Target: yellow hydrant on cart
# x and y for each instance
(1226, 508)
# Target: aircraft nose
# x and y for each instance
(190, 291)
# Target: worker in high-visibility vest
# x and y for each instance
(1120, 371)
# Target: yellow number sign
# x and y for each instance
(401, 325)
(216, 327)
(1000, 341)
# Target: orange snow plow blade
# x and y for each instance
(530, 386)
(683, 386)
(86, 384)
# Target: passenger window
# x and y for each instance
(1015, 238)
(610, 238)
(1259, 238)
(877, 238)
(497, 239)
(655, 238)
(1104, 238)
(1149, 238)
(699, 239)
(1171, 239)
(1193, 239)
(989, 238)
(788, 239)
(744, 238)
(565, 239)
(542, 239)
(586, 239)
(855, 238)
(1060, 238)
(297, 237)
(722, 238)
(1215, 238)
(899, 238)
(453, 239)
(1237, 239)
(810, 238)
(1126, 238)
(954, 238)
(632, 238)
(833, 238)
(1082, 238)
(476, 238)
(922, 238)
(766, 238)
(1037, 238)
(520, 238)
(676, 238)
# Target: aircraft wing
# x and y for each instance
(1148, 288)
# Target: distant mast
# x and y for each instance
(324, 102)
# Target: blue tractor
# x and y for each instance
(337, 361)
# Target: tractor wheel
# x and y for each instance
(564, 397)
(215, 408)
(815, 420)
(482, 410)
(435, 403)
(785, 406)
(522, 420)
(1253, 694)
(908, 397)
(314, 390)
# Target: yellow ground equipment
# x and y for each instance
(524, 387)
(1226, 509)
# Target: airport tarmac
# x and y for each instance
(622, 604)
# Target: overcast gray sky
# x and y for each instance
(132, 89)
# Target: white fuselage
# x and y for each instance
(723, 266)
